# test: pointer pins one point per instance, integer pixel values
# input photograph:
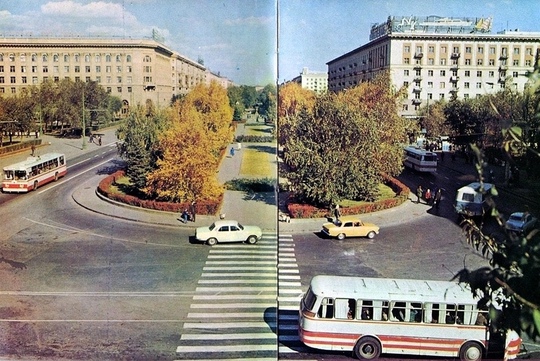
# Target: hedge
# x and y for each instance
(297, 210)
(203, 207)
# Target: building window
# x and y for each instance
(492, 50)
(34, 80)
(119, 69)
(480, 62)
(491, 62)
(442, 85)
(406, 49)
(443, 61)
(467, 73)
(406, 72)
(128, 69)
(466, 85)
(98, 58)
(129, 89)
(456, 50)
(430, 95)
(431, 61)
(109, 80)
(87, 68)
(478, 85)
(87, 79)
(515, 62)
(406, 61)
(431, 49)
(76, 57)
(12, 68)
(56, 69)
(430, 72)
(527, 63)
(109, 89)
(45, 69)
(118, 58)
(118, 79)
(466, 96)
(34, 57)
(66, 68)
(66, 58)
(1, 80)
(86, 58)
(34, 68)
(77, 69)
(516, 51)
(108, 69)
(467, 61)
(418, 72)
(98, 79)
(55, 58)
(491, 74)
(98, 68)
(1, 56)
(468, 50)
(481, 50)
(23, 80)
(430, 84)
(479, 73)
(44, 57)
(443, 73)
(443, 49)
(515, 74)
(405, 107)
(12, 80)
(128, 58)
(147, 59)
(1, 68)
(454, 72)
(119, 89)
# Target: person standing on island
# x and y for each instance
(419, 192)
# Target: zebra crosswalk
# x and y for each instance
(244, 297)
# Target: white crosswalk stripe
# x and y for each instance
(246, 296)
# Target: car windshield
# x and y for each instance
(212, 226)
(240, 226)
(516, 218)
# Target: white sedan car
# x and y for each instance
(228, 231)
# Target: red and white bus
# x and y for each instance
(420, 160)
(372, 316)
(33, 172)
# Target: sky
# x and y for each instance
(251, 42)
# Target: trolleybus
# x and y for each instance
(372, 316)
(420, 159)
(33, 172)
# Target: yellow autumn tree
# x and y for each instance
(190, 148)
(291, 101)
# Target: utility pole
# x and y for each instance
(83, 123)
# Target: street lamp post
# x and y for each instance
(83, 123)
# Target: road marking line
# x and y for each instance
(220, 325)
(212, 315)
(228, 336)
(225, 348)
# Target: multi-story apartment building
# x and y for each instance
(137, 71)
(437, 58)
(313, 80)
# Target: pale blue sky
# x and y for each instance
(238, 37)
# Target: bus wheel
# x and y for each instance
(55, 176)
(341, 236)
(470, 351)
(36, 185)
(211, 241)
(367, 348)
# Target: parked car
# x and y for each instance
(521, 222)
(350, 226)
(223, 231)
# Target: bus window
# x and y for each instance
(380, 310)
(327, 308)
(344, 308)
(398, 311)
(416, 312)
(450, 315)
(366, 310)
(466, 315)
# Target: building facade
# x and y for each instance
(136, 71)
(313, 80)
(437, 58)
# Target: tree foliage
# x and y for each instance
(267, 100)
(341, 149)
(510, 286)
(292, 100)
(189, 150)
(139, 135)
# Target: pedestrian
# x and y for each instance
(192, 209)
(33, 150)
(437, 198)
(419, 193)
(99, 140)
(232, 152)
(337, 212)
(428, 196)
(185, 216)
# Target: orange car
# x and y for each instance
(350, 226)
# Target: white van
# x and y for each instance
(470, 200)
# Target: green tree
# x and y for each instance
(139, 135)
(267, 100)
(342, 149)
(291, 101)
(510, 284)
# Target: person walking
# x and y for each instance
(337, 212)
(437, 198)
(192, 210)
(232, 152)
(428, 196)
(419, 193)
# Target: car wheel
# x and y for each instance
(211, 241)
(252, 240)
(341, 236)
(371, 235)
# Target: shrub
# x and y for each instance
(203, 207)
(298, 210)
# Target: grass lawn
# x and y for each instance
(256, 130)
(385, 192)
(256, 164)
